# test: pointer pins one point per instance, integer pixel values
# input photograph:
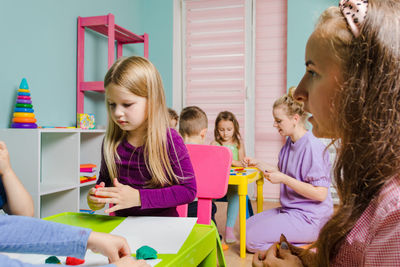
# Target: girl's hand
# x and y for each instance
(92, 200)
(276, 257)
(249, 162)
(122, 196)
(275, 177)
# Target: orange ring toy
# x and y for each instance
(24, 120)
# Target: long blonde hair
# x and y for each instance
(366, 115)
(140, 77)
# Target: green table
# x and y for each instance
(199, 248)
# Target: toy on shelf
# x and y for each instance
(85, 121)
(23, 113)
(87, 173)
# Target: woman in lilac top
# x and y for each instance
(303, 173)
(145, 167)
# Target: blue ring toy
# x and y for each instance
(23, 93)
(28, 110)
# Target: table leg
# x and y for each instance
(242, 191)
(260, 196)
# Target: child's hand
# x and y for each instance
(5, 165)
(92, 199)
(274, 177)
(122, 196)
(249, 162)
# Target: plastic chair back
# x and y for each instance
(211, 166)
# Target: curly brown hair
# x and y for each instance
(367, 112)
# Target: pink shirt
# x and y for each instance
(375, 238)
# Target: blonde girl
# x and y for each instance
(303, 173)
(226, 133)
(352, 89)
(145, 167)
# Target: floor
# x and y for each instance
(232, 254)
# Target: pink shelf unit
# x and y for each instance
(116, 36)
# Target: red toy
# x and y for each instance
(74, 261)
(98, 186)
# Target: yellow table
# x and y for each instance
(199, 248)
(242, 179)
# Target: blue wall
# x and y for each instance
(39, 43)
(302, 16)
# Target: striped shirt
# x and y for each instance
(375, 238)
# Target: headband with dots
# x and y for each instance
(354, 12)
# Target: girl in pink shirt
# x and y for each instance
(352, 88)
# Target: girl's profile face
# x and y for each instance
(127, 110)
(226, 130)
(282, 122)
(319, 85)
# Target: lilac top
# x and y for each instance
(307, 161)
(133, 171)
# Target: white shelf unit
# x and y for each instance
(47, 163)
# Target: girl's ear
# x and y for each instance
(296, 118)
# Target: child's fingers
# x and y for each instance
(112, 209)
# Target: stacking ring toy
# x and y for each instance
(24, 101)
(24, 125)
(29, 110)
(23, 93)
(23, 114)
(24, 120)
(23, 105)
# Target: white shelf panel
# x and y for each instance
(54, 188)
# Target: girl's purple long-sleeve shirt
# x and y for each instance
(133, 171)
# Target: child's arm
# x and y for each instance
(19, 233)
(19, 201)
(318, 193)
(262, 166)
(242, 155)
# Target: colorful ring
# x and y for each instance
(24, 97)
(24, 120)
(23, 90)
(24, 101)
(23, 105)
(24, 125)
(23, 115)
(22, 93)
(28, 110)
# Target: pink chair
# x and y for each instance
(211, 166)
